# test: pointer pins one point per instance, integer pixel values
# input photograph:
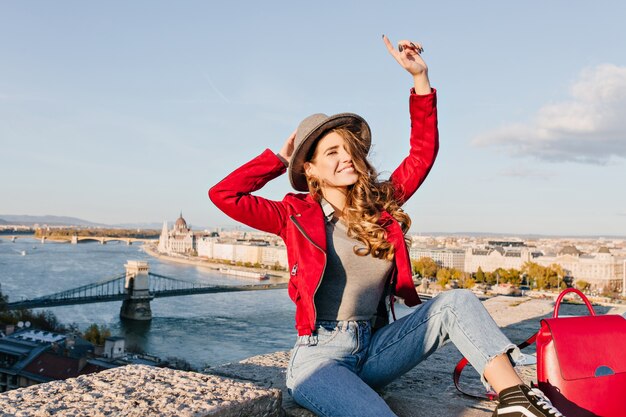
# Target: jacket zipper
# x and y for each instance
(293, 219)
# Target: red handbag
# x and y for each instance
(581, 362)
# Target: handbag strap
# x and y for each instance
(557, 304)
(490, 395)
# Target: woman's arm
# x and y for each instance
(424, 133)
(233, 195)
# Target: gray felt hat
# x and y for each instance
(313, 128)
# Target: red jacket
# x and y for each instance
(299, 220)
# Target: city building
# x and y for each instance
(179, 240)
(252, 251)
(444, 257)
(601, 269)
(506, 257)
(30, 356)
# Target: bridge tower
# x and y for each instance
(136, 305)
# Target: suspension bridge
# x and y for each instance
(136, 288)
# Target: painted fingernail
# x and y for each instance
(413, 45)
(383, 35)
(400, 48)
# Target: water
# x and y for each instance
(206, 329)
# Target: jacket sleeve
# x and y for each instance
(424, 146)
(233, 195)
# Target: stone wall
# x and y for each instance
(140, 391)
(255, 386)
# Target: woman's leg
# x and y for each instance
(456, 316)
(321, 373)
(334, 390)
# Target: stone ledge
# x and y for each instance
(427, 390)
(139, 390)
(256, 387)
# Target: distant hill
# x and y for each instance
(49, 220)
(73, 221)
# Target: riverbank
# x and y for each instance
(151, 250)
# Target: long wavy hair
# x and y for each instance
(365, 201)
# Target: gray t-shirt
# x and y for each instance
(352, 285)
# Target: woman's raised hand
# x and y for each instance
(409, 57)
(287, 149)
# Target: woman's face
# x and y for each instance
(332, 163)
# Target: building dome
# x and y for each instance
(180, 223)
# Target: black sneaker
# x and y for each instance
(523, 401)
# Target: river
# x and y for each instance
(207, 329)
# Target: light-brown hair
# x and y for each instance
(365, 201)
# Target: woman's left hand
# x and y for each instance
(408, 56)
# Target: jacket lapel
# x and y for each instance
(311, 222)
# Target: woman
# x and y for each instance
(345, 239)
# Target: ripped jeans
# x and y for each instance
(334, 371)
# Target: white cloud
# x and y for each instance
(588, 128)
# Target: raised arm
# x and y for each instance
(424, 140)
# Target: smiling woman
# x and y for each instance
(348, 257)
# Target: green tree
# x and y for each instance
(480, 275)
(425, 267)
(536, 273)
(560, 274)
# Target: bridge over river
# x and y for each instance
(75, 239)
(136, 288)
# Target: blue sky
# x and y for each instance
(120, 112)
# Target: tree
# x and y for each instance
(97, 334)
(456, 274)
(443, 277)
(490, 278)
(514, 276)
(425, 267)
(43, 319)
(560, 274)
(582, 285)
(480, 275)
(536, 273)
(466, 281)
(4, 300)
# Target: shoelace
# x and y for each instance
(544, 402)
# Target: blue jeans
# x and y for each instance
(334, 371)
